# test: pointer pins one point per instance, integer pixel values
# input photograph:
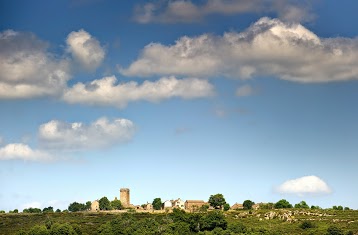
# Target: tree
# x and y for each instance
(58, 211)
(2, 211)
(104, 204)
(47, 209)
(116, 204)
(88, 205)
(157, 203)
(217, 200)
(32, 210)
(226, 206)
(302, 205)
(75, 206)
(282, 204)
(247, 204)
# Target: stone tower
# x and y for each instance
(125, 197)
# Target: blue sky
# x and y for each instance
(178, 99)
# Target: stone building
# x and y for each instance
(125, 197)
(193, 205)
(148, 206)
(179, 204)
(95, 206)
(237, 206)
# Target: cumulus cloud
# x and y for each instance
(307, 185)
(269, 47)
(245, 90)
(106, 91)
(85, 49)
(28, 69)
(19, 151)
(186, 11)
(79, 136)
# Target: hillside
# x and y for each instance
(283, 221)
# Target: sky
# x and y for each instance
(253, 99)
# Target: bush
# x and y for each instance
(237, 228)
(38, 230)
(212, 220)
(307, 224)
(333, 230)
(65, 229)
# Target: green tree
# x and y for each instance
(104, 204)
(88, 205)
(282, 204)
(217, 200)
(116, 204)
(2, 211)
(32, 210)
(157, 203)
(47, 209)
(247, 204)
(226, 206)
(75, 206)
(302, 205)
(58, 211)
(346, 208)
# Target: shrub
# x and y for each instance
(333, 230)
(38, 230)
(237, 228)
(307, 224)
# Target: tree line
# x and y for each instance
(216, 201)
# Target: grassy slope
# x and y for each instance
(89, 222)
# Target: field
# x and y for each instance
(283, 221)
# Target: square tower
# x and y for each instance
(125, 197)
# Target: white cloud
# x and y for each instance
(269, 47)
(307, 185)
(79, 136)
(105, 91)
(245, 90)
(28, 69)
(31, 205)
(186, 11)
(19, 151)
(85, 49)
